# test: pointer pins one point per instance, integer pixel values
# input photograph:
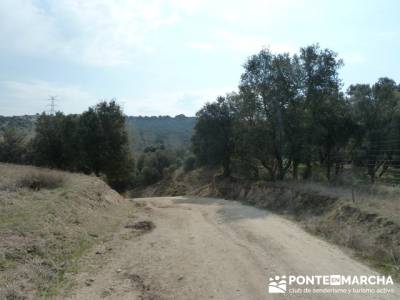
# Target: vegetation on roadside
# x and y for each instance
(155, 163)
(291, 141)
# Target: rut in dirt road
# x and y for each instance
(202, 248)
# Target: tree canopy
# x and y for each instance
(290, 110)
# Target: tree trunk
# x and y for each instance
(371, 170)
(295, 170)
(226, 165)
(384, 169)
(281, 173)
(328, 170)
(271, 169)
(338, 167)
(328, 163)
(308, 172)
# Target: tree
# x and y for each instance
(336, 128)
(56, 142)
(213, 136)
(269, 83)
(376, 112)
(12, 146)
(153, 162)
(320, 87)
(71, 150)
(48, 142)
(297, 123)
(105, 143)
(189, 163)
(95, 142)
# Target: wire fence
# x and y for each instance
(378, 161)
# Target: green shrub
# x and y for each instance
(151, 175)
(154, 164)
(189, 163)
(13, 146)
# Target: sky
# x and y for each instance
(170, 57)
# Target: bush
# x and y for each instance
(150, 175)
(12, 146)
(189, 163)
(41, 180)
(154, 164)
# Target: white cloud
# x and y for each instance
(97, 32)
(109, 33)
(25, 27)
(240, 42)
(353, 58)
(201, 46)
(387, 34)
(189, 7)
(229, 41)
(20, 98)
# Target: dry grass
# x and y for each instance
(364, 218)
(179, 183)
(48, 220)
(40, 180)
(379, 198)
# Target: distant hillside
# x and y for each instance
(173, 132)
(24, 123)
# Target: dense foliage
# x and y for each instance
(213, 142)
(94, 142)
(290, 112)
(154, 163)
(100, 141)
(12, 144)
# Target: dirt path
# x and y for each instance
(211, 249)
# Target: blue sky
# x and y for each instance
(169, 57)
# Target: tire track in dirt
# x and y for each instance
(202, 248)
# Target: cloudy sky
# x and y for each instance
(169, 57)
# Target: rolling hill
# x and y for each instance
(173, 132)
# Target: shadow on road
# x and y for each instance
(230, 210)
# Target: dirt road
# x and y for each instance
(205, 248)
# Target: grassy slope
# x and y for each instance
(44, 231)
(369, 226)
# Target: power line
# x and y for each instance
(52, 105)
